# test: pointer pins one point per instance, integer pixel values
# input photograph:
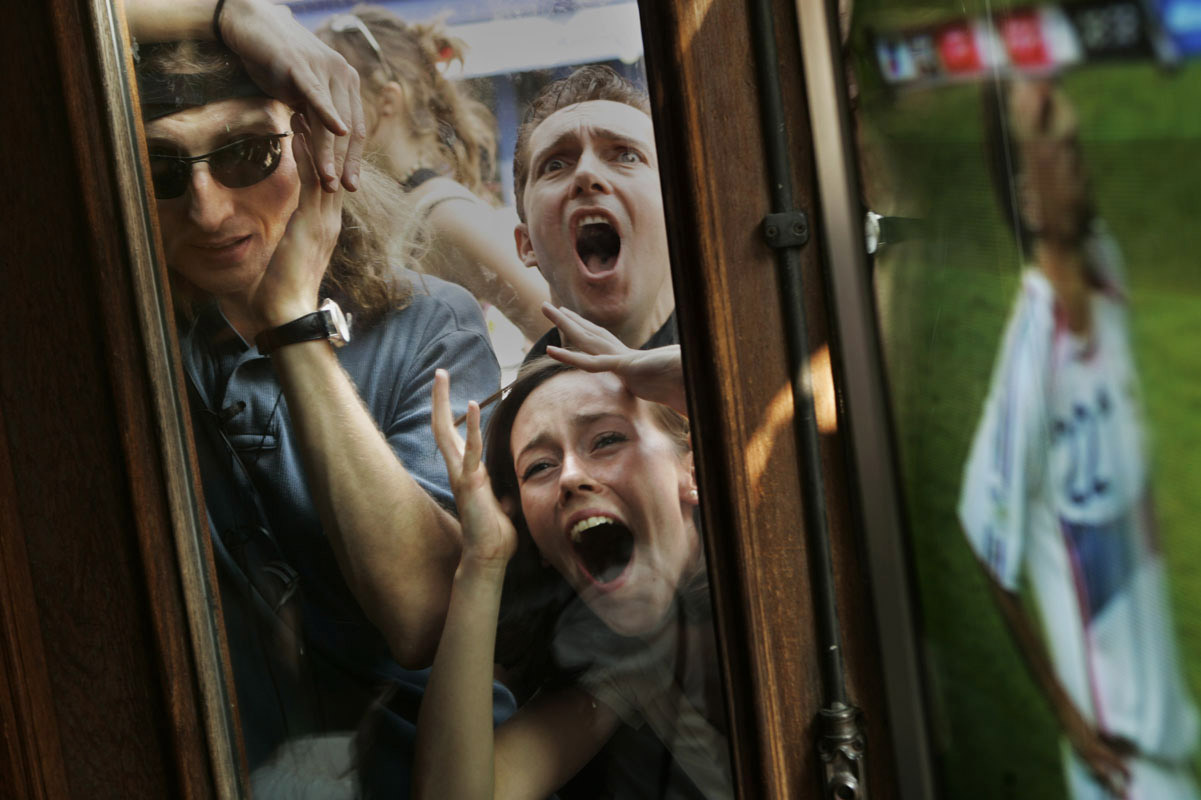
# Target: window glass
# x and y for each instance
(1030, 173)
(339, 551)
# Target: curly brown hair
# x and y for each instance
(361, 272)
(594, 82)
(409, 53)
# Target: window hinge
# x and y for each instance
(786, 229)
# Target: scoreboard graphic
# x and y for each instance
(1040, 39)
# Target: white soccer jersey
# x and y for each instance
(1056, 492)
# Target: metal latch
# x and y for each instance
(843, 752)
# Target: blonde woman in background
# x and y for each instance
(439, 144)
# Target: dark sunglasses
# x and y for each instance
(235, 165)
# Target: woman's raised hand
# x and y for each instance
(488, 533)
(656, 375)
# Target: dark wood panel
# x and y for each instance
(87, 500)
(33, 763)
(710, 142)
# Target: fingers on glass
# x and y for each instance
(358, 138)
(475, 440)
(341, 143)
(582, 331)
(589, 362)
(304, 146)
(325, 156)
(321, 100)
(444, 433)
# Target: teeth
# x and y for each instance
(593, 219)
(577, 530)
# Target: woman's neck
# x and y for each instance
(405, 153)
(1065, 268)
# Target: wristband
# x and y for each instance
(217, 23)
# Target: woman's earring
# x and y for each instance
(693, 494)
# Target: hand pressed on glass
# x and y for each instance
(488, 534)
(656, 375)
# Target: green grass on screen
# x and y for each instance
(943, 303)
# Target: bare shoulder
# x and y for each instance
(434, 191)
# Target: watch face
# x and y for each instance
(338, 323)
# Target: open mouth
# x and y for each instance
(603, 547)
(597, 243)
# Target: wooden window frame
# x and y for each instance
(109, 648)
(710, 143)
(124, 697)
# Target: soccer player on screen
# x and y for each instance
(1056, 490)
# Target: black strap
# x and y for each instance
(417, 178)
(217, 22)
(308, 328)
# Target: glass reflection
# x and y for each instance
(1012, 332)
(342, 537)
(1056, 493)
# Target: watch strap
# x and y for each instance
(308, 328)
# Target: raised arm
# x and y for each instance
(284, 58)
(455, 724)
(396, 547)
(549, 739)
(466, 235)
(1104, 755)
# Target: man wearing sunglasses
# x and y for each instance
(283, 58)
(325, 494)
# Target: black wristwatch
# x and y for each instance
(327, 322)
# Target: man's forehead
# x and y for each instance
(603, 118)
(203, 124)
